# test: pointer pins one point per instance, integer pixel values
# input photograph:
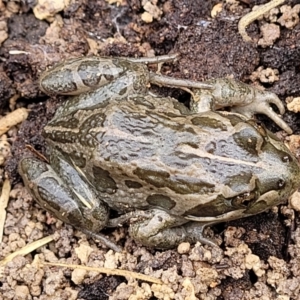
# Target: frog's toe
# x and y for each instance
(268, 111)
(262, 106)
(276, 101)
(103, 239)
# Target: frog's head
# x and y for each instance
(251, 168)
(277, 175)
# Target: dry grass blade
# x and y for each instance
(27, 249)
(12, 119)
(107, 271)
(38, 154)
(3, 204)
(254, 15)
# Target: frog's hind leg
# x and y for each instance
(76, 206)
(81, 75)
(155, 59)
(163, 80)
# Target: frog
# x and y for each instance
(168, 170)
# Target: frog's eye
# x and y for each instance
(286, 158)
(281, 183)
(249, 139)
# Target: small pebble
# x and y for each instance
(183, 248)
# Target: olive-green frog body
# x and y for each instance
(167, 169)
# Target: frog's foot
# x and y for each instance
(195, 231)
(159, 60)
(133, 216)
(103, 239)
(163, 231)
(261, 105)
(155, 59)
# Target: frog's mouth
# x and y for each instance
(263, 203)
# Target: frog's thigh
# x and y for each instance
(47, 188)
(58, 197)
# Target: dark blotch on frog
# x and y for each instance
(161, 201)
(103, 182)
(133, 184)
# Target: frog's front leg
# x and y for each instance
(67, 196)
(157, 229)
(243, 98)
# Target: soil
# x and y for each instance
(258, 256)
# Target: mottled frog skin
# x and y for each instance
(168, 170)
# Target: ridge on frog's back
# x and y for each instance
(150, 158)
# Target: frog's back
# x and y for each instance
(152, 152)
(159, 155)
